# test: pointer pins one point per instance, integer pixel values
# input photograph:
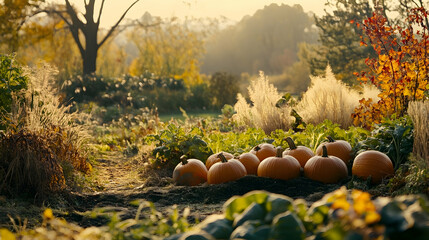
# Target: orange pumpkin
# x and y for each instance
(301, 153)
(190, 172)
(225, 171)
(326, 169)
(214, 158)
(372, 163)
(264, 150)
(279, 167)
(250, 162)
(338, 148)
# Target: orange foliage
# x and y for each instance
(401, 69)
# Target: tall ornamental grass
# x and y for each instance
(42, 149)
(419, 113)
(262, 112)
(329, 98)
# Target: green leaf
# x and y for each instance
(276, 204)
(253, 212)
(236, 205)
(217, 226)
(287, 224)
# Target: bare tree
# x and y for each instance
(89, 29)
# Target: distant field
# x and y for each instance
(179, 116)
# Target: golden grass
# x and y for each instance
(43, 144)
(329, 98)
(419, 113)
(263, 112)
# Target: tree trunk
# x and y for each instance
(89, 59)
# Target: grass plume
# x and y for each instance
(329, 98)
(419, 113)
(263, 112)
(43, 144)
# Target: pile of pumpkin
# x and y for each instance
(329, 164)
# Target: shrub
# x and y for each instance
(400, 68)
(263, 113)
(328, 98)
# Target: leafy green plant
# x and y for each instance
(12, 80)
(313, 135)
(174, 141)
(236, 142)
(393, 137)
(341, 214)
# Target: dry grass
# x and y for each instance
(263, 112)
(28, 165)
(43, 144)
(419, 113)
(329, 98)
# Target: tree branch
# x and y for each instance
(99, 13)
(112, 29)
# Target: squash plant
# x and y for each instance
(393, 137)
(174, 141)
(342, 214)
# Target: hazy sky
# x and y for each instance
(232, 9)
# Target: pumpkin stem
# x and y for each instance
(330, 139)
(279, 152)
(184, 159)
(290, 142)
(222, 157)
(325, 151)
(257, 148)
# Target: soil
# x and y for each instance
(120, 181)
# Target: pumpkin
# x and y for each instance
(264, 150)
(338, 148)
(214, 158)
(326, 169)
(372, 163)
(225, 171)
(301, 153)
(250, 162)
(190, 172)
(279, 167)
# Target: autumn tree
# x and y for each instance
(13, 16)
(340, 39)
(86, 31)
(400, 68)
(172, 48)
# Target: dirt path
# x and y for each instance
(121, 180)
(122, 183)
